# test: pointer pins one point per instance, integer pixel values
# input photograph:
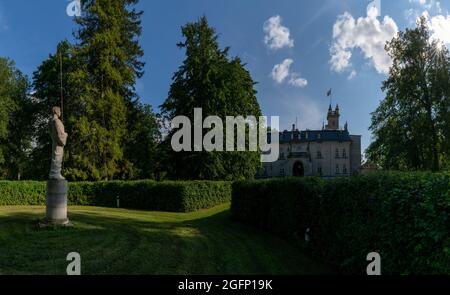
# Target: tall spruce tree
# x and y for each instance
(221, 86)
(411, 126)
(109, 55)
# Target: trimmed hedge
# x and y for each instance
(172, 196)
(403, 216)
(286, 207)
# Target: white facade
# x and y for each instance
(330, 152)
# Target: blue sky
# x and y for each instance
(317, 45)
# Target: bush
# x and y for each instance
(403, 216)
(143, 195)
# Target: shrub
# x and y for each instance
(144, 195)
(403, 216)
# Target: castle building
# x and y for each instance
(330, 152)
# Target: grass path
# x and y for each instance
(116, 241)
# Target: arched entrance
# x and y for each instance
(298, 170)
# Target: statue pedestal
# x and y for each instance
(56, 204)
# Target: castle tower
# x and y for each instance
(333, 118)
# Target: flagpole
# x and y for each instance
(330, 94)
(61, 85)
(62, 93)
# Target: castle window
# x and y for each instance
(282, 173)
(337, 153)
(344, 153)
(319, 169)
(337, 169)
(319, 155)
(344, 169)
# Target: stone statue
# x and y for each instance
(57, 186)
(59, 139)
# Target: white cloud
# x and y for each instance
(282, 71)
(432, 6)
(297, 81)
(367, 34)
(440, 28)
(352, 75)
(277, 36)
(428, 4)
(421, 2)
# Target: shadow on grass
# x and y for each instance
(135, 242)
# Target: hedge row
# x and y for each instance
(143, 195)
(403, 216)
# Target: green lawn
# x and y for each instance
(116, 241)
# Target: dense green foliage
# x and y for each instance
(141, 147)
(15, 120)
(220, 86)
(109, 55)
(405, 217)
(123, 242)
(144, 195)
(112, 135)
(411, 126)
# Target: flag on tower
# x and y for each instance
(329, 93)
